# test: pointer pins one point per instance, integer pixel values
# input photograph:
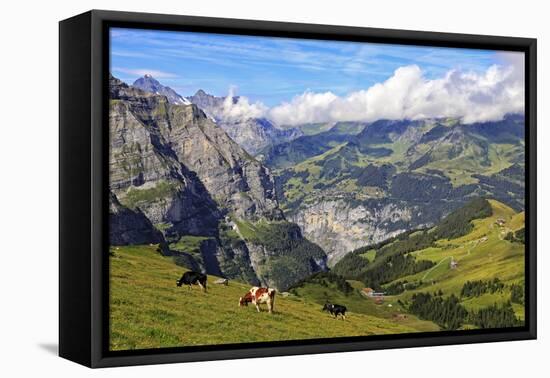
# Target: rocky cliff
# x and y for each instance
(251, 133)
(255, 134)
(179, 169)
(144, 170)
(148, 83)
(339, 226)
(130, 226)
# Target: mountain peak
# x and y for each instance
(146, 79)
(200, 93)
(149, 84)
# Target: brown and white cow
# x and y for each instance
(257, 296)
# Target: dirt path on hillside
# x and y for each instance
(434, 267)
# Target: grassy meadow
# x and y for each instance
(482, 254)
(147, 310)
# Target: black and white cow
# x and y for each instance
(193, 278)
(335, 310)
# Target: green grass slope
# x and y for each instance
(482, 255)
(147, 310)
(321, 291)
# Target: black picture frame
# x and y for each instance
(83, 232)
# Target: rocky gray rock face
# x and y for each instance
(188, 178)
(166, 158)
(144, 171)
(211, 105)
(255, 134)
(252, 134)
(340, 227)
(235, 179)
(149, 84)
(130, 226)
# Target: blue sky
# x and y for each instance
(274, 70)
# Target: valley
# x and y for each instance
(475, 264)
(349, 190)
(142, 277)
(428, 214)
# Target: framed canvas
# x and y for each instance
(235, 188)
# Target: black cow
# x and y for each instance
(193, 278)
(335, 310)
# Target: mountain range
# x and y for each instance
(348, 189)
(251, 133)
(413, 225)
(174, 169)
(148, 83)
(252, 200)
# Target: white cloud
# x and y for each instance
(409, 94)
(240, 110)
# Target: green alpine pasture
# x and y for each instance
(481, 255)
(148, 310)
(355, 302)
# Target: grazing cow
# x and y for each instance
(193, 278)
(257, 296)
(335, 310)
